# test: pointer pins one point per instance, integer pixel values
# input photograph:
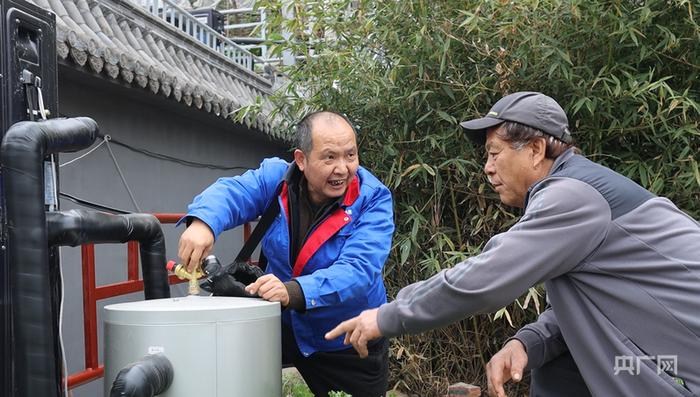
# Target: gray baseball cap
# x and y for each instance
(532, 109)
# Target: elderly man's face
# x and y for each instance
(510, 171)
(333, 160)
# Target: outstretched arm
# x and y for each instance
(565, 221)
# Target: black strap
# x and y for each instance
(262, 261)
(263, 224)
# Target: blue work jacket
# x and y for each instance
(339, 266)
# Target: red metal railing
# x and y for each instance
(91, 294)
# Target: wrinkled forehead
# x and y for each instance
(494, 137)
(334, 132)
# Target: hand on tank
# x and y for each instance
(270, 288)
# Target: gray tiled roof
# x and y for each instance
(119, 40)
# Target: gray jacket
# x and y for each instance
(622, 272)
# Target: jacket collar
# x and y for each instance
(556, 166)
(561, 160)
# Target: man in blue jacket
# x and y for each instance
(325, 250)
(621, 267)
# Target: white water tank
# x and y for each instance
(218, 346)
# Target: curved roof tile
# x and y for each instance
(119, 40)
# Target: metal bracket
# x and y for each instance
(32, 85)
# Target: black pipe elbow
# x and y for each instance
(39, 139)
(22, 153)
(76, 227)
(150, 376)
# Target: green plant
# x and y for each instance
(338, 394)
(294, 386)
(626, 71)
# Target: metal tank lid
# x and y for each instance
(190, 309)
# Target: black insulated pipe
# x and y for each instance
(22, 153)
(76, 227)
(150, 376)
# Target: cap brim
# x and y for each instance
(476, 129)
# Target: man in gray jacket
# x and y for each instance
(621, 268)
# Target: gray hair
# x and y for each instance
(302, 133)
(519, 135)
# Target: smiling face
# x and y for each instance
(511, 172)
(332, 161)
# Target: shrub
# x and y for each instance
(626, 72)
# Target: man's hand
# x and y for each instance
(195, 244)
(358, 331)
(270, 288)
(507, 364)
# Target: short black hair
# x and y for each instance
(302, 132)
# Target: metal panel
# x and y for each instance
(29, 37)
(27, 42)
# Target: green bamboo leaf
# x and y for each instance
(626, 74)
(448, 91)
(696, 172)
(423, 117)
(590, 106)
(643, 175)
(657, 186)
(445, 52)
(405, 250)
(447, 117)
(578, 104)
